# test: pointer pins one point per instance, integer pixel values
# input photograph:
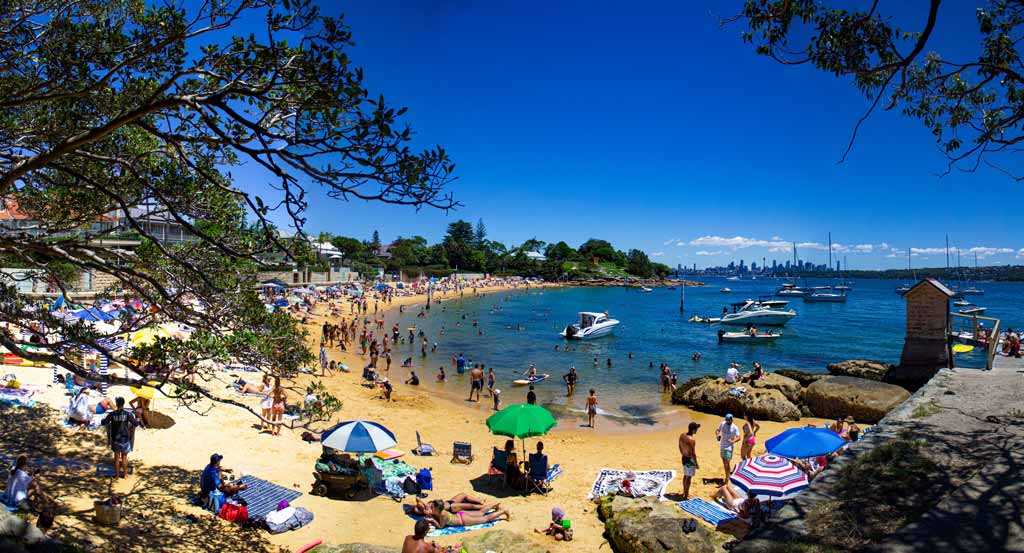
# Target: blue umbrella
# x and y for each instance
(805, 442)
(281, 302)
(358, 437)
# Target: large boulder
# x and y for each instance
(644, 525)
(804, 378)
(503, 541)
(864, 400)
(774, 381)
(860, 368)
(711, 395)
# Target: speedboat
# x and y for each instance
(972, 291)
(758, 314)
(646, 289)
(591, 325)
(903, 289)
(706, 320)
(961, 303)
(732, 278)
(726, 290)
(825, 295)
(789, 289)
(746, 337)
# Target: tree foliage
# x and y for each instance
(974, 106)
(108, 106)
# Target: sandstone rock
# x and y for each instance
(861, 368)
(503, 541)
(804, 378)
(711, 395)
(774, 381)
(644, 525)
(865, 400)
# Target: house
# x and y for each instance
(536, 256)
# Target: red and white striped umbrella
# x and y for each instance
(769, 475)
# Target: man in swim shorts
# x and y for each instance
(476, 383)
(688, 451)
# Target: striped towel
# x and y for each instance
(263, 497)
(706, 511)
(457, 530)
(555, 472)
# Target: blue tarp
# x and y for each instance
(93, 314)
(281, 302)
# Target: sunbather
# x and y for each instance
(244, 387)
(441, 518)
(460, 502)
(745, 507)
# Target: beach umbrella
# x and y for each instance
(769, 475)
(302, 291)
(358, 437)
(522, 421)
(148, 335)
(805, 442)
(146, 391)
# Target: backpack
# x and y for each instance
(425, 480)
(410, 486)
(232, 512)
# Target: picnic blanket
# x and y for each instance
(389, 469)
(705, 510)
(262, 496)
(650, 483)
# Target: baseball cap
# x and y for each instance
(693, 426)
(728, 416)
(216, 457)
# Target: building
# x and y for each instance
(153, 219)
(536, 256)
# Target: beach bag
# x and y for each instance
(410, 486)
(425, 480)
(215, 501)
(234, 513)
(298, 518)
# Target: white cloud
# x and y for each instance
(705, 252)
(895, 253)
(680, 243)
(885, 246)
(985, 251)
(1020, 252)
(737, 242)
(864, 248)
(669, 241)
(657, 254)
(919, 251)
(812, 246)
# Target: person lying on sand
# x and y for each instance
(460, 502)
(440, 518)
(244, 387)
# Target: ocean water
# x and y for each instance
(869, 325)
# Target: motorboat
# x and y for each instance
(972, 291)
(903, 288)
(973, 310)
(825, 295)
(747, 338)
(843, 287)
(732, 278)
(726, 290)
(961, 303)
(706, 320)
(758, 314)
(646, 289)
(591, 325)
(789, 290)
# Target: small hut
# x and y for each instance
(926, 346)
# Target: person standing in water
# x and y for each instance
(490, 381)
(476, 376)
(591, 407)
(570, 382)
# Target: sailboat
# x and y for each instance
(905, 287)
(972, 290)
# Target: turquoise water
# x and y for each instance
(870, 325)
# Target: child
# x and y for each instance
(560, 528)
(496, 394)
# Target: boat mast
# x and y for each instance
(830, 252)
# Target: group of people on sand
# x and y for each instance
(273, 401)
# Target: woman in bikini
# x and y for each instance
(750, 429)
(460, 502)
(440, 518)
(277, 409)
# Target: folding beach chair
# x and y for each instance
(499, 462)
(462, 453)
(538, 477)
(422, 448)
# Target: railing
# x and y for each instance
(977, 331)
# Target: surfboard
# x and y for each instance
(526, 381)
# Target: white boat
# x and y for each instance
(646, 289)
(790, 290)
(706, 320)
(961, 303)
(758, 314)
(732, 278)
(726, 290)
(591, 325)
(972, 291)
(825, 295)
(746, 337)
(973, 310)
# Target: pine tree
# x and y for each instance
(481, 232)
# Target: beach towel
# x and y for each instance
(15, 401)
(435, 533)
(389, 469)
(389, 454)
(554, 472)
(705, 510)
(241, 368)
(649, 483)
(263, 497)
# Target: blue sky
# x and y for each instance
(646, 124)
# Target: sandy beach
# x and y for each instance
(167, 462)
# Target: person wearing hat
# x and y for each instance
(211, 479)
(688, 451)
(387, 387)
(559, 527)
(727, 435)
(496, 394)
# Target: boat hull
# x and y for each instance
(763, 319)
(591, 333)
(744, 338)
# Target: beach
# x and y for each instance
(170, 460)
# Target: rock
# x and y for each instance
(356, 548)
(804, 378)
(503, 541)
(865, 400)
(861, 368)
(773, 381)
(711, 395)
(682, 388)
(644, 525)
(16, 531)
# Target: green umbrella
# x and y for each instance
(521, 421)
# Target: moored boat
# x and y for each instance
(591, 325)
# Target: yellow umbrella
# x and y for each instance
(146, 392)
(148, 334)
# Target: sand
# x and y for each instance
(167, 462)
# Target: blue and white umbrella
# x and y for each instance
(358, 437)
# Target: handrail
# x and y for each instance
(978, 333)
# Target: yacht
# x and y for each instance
(961, 303)
(732, 278)
(972, 291)
(825, 295)
(903, 288)
(758, 314)
(591, 325)
(790, 290)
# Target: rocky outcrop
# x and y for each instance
(17, 534)
(644, 525)
(865, 400)
(503, 541)
(774, 381)
(804, 378)
(711, 395)
(861, 368)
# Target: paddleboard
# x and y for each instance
(527, 381)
